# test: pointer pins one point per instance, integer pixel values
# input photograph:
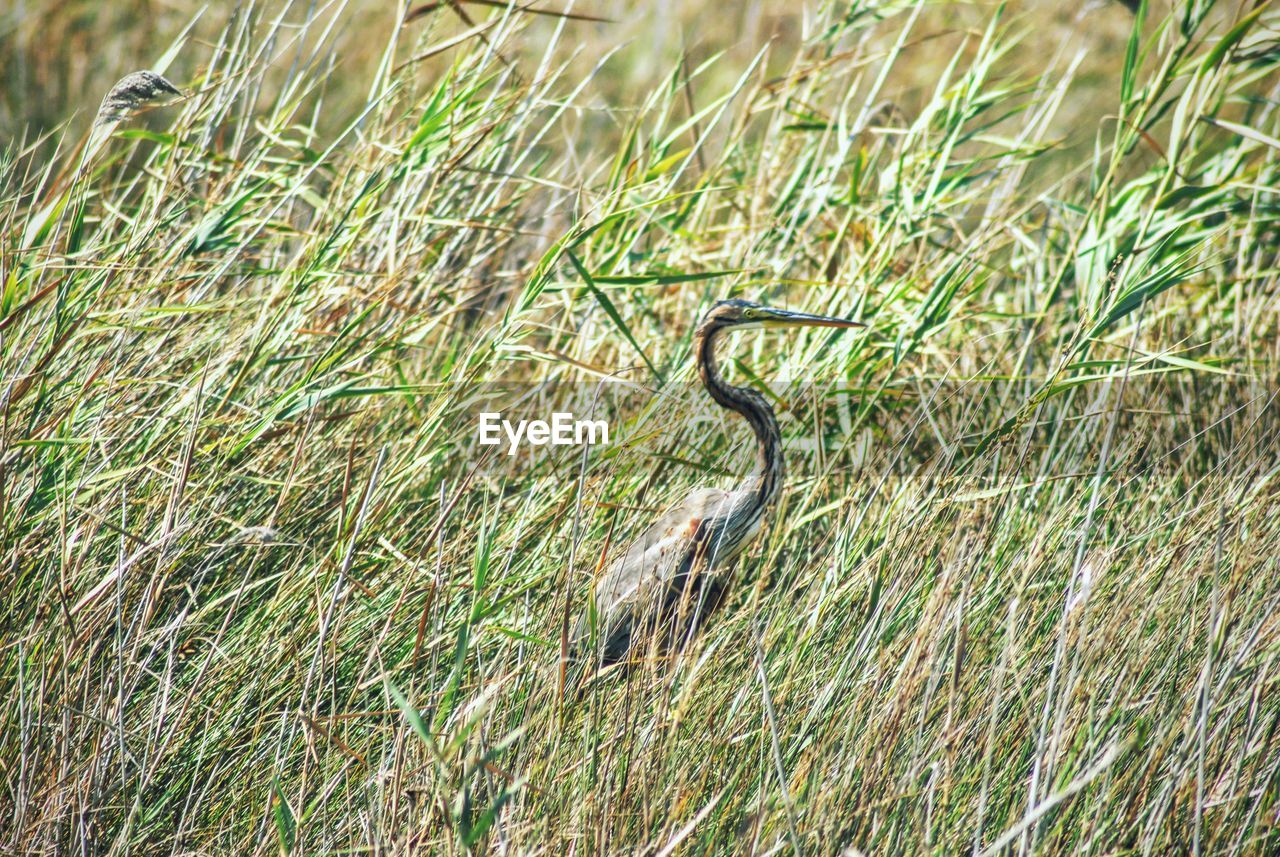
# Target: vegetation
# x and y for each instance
(266, 594)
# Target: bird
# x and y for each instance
(674, 575)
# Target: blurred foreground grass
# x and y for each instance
(1021, 593)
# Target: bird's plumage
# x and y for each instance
(676, 566)
(672, 577)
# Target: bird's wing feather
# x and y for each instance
(656, 563)
(659, 552)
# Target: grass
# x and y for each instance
(268, 596)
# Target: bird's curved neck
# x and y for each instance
(767, 478)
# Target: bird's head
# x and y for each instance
(745, 315)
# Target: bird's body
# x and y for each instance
(681, 558)
(672, 577)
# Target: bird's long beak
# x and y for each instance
(786, 318)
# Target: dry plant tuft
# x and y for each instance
(131, 93)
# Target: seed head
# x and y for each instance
(132, 92)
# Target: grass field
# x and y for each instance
(265, 594)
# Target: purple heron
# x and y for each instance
(673, 576)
